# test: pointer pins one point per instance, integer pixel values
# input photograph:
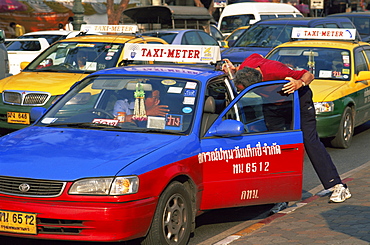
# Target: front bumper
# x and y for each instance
(84, 221)
(327, 125)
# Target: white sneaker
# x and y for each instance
(278, 207)
(340, 193)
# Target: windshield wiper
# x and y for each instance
(83, 125)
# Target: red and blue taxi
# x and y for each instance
(105, 164)
(341, 89)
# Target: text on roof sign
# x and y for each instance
(172, 53)
(324, 33)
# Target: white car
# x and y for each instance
(55, 35)
(20, 50)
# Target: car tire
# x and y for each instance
(344, 136)
(173, 217)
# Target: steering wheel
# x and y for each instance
(67, 66)
(98, 110)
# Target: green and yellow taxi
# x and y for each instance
(55, 70)
(341, 88)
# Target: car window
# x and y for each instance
(207, 39)
(23, 46)
(263, 109)
(235, 34)
(324, 63)
(230, 23)
(268, 16)
(168, 37)
(331, 25)
(360, 61)
(191, 38)
(50, 38)
(362, 25)
(77, 57)
(216, 34)
(264, 36)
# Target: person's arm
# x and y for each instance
(295, 84)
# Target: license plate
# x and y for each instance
(18, 117)
(17, 222)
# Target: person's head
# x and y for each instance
(246, 77)
(70, 19)
(152, 99)
(60, 26)
(81, 57)
(12, 24)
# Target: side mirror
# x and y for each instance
(37, 112)
(227, 128)
(24, 64)
(2, 36)
(363, 75)
(223, 44)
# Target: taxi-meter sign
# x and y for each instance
(324, 33)
(110, 28)
(172, 53)
(317, 4)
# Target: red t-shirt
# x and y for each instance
(271, 69)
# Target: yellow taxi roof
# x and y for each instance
(323, 43)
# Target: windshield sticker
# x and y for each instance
(173, 122)
(110, 122)
(156, 122)
(111, 53)
(189, 100)
(108, 58)
(90, 45)
(49, 120)
(345, 59)
(187, 110)
(190, 93)
(174, 90)
(191, 85)
(168, 82)
(345, 71)
(324, 74)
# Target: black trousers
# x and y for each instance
(315, 149)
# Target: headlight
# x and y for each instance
(106, 186)
(324, 107)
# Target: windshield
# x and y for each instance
(77, 57)
(230, 23)
(324, 63)
(264, 36)
(24, 45)
(127, 103)
(50, 38)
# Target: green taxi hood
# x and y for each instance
(327, 90)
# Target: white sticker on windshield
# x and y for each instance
(174, 90)
(49, 120)
(324, 74)
(189, 100)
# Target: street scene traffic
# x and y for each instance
(201, 123)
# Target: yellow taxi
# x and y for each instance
(234, 35)
(341, 88)
(55, 70)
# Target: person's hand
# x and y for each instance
(228, 67)
(292, 85)
(157, 110)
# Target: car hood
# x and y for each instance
(70, 154)
(238, 54)
(52, 82)
(324, 90)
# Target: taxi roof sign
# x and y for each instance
(324, 33)
(111, 28)
(172, 53)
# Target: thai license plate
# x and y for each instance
(17, 222)
(18, 117)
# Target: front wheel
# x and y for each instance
(172, 219)
(344, 135)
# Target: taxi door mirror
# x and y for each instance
(37, 112)
(227, 128)
(2, 36)
(24, 64)
(362, 76)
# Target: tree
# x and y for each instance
(114, 15)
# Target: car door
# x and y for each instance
(261, 165)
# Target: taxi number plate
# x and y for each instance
(18, 117)
(17, 222)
